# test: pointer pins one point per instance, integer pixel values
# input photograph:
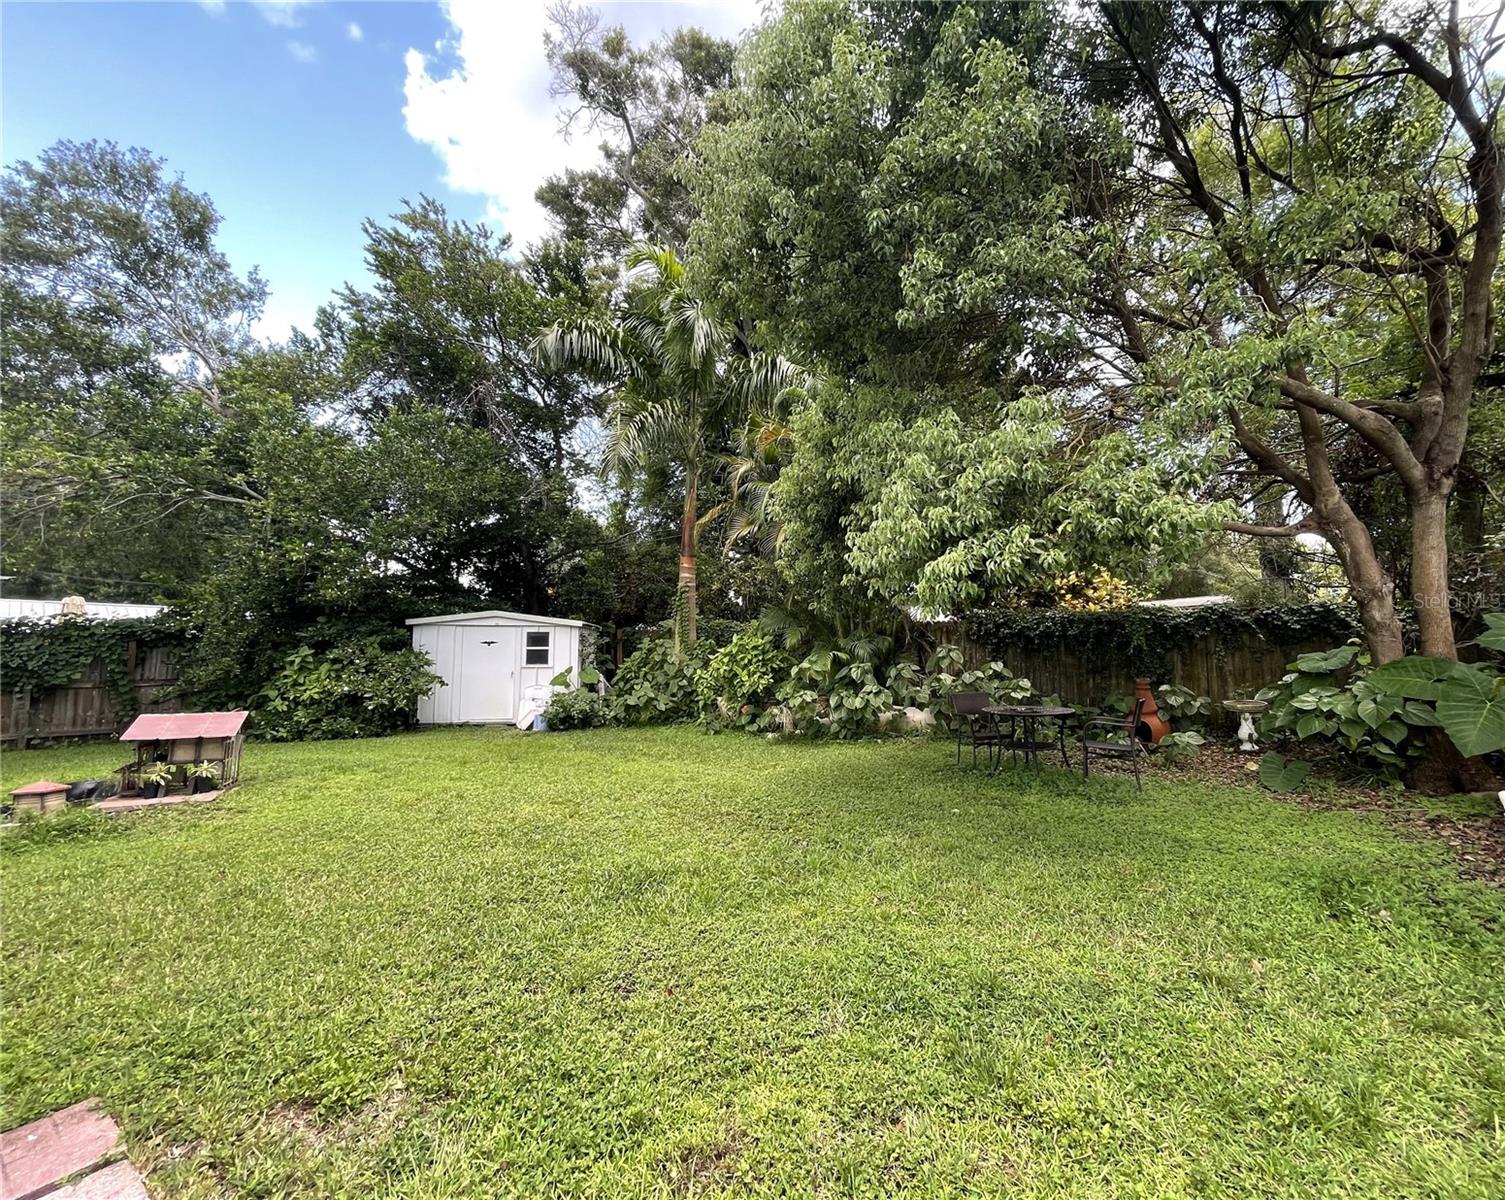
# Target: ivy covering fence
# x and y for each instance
(69, 677)
(1217, 650)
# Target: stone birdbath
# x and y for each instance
(1247, 710)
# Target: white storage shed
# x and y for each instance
(488, 659)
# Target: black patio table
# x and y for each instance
(1029, 744)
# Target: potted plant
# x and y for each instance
(203, 777)
(155, 779)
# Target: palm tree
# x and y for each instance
(750, 471)
(683, 380)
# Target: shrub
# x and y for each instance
(847, 697)
(1181, 745)
(739, 681)
(575, 709)
(354, 690)
(1181, 706)
(846, 701)
(656, 684)
(946, 677)
(1097, 591)
(1326, 696)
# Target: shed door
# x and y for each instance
(488, 656)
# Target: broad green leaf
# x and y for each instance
(1420, 715)
(1493, 637)
(1294, 775)
(1415, 677)
(1472, 710)
(1323, 661)
(1281, 776)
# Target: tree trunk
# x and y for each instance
(1442, 770)
(1372, 588)
(689, 535)
(1429, 575)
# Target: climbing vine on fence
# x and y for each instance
(49, 652)
(1144, 638)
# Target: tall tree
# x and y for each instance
(447, 322)
(948, 459)
(682, 381)
(1328, 181)
(439, 345)
(122, 323)
(647, 104)
(1251, 247)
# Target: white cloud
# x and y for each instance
(303, 52)
(282, 13)
(354, 32)
(481, 99)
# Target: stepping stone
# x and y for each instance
(36, 1158)
(118, 1181)
(121, 804)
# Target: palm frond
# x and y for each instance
(598, 348)
(661, 260)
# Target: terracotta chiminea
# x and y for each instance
(1152, 726)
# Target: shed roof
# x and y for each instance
(525, 618)
(42, 787)
(162, 727)
(1187, 602)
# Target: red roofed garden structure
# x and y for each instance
(199, 751)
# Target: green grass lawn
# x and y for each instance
(479, 963)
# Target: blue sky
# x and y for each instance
(302, 119)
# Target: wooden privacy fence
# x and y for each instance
(88, 707)
(1223, 663)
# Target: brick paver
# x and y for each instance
(118, 1181)
(73, 1144)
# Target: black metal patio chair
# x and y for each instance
(975, 725)
(1096, 744)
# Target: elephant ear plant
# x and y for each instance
(1468, 698)
(1377, 714)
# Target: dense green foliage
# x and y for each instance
(657, 682)
(1381, 715)
(1328, 697)
(682, 379)
(408, 457)
(642, 962)
(49, 652)
(357, 689)
(737, 683)
(934, 466)
(1088, 282)
(1142, 639)
(578, 708)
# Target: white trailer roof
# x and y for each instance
(94, 610)
(493, 613)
